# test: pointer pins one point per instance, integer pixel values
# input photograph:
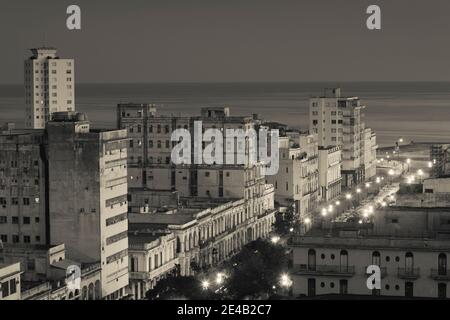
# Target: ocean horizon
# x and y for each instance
(416, 111)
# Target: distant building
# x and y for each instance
(297, 180)
(440, 156)
(330, 172)
(370, 153)
(338, 121)
(49, 86)
(150, 167)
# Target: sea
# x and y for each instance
(415, 111)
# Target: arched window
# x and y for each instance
(442, 264)
(311, 259)
(409, 262)
(344, 260)
(376, 258)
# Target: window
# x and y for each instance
(311, 259)
(206, 174)
(409, 262)
(409, 289)
(343, 286)
(3, 238)
(344, 260)
(5, 289)
(26, 220)
(442, 290)
(442, 264)
(26, 239)
(3, 219)
(15, 201)
(15, 220)
(376, 258)
(15, 238)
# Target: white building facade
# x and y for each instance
(49, 86)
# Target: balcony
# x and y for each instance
(440, 274)
(409, 273)
(325, 270)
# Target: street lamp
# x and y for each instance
(324, 212)
(348, 196)
(205, 284)
(285, 281)
(275, 239)
(338, 202)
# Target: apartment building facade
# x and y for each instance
(339, 121)
(330, 172)
(409, 244)
(23, 188)
(297, 180)
(152, 257)
(88, 169)
(207, 233)
(49, 86)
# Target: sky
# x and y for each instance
(232, 40)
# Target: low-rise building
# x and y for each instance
(207, 232)
(410, 245)
(10, 281)
(152, 257)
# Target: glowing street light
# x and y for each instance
(348, 196)
(358, 190)
(420, 172)
(220, 278)
(383, 204)
(391, 172)
(367, 185)
(285, 281)
(205, 284)
(400, 140)
(408, 161)
(324, 212)
(338, 202)
(430, 164)
(275, 239)
(307, 220)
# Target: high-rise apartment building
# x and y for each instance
(49, 86)
(88, 188)
(339, 121)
